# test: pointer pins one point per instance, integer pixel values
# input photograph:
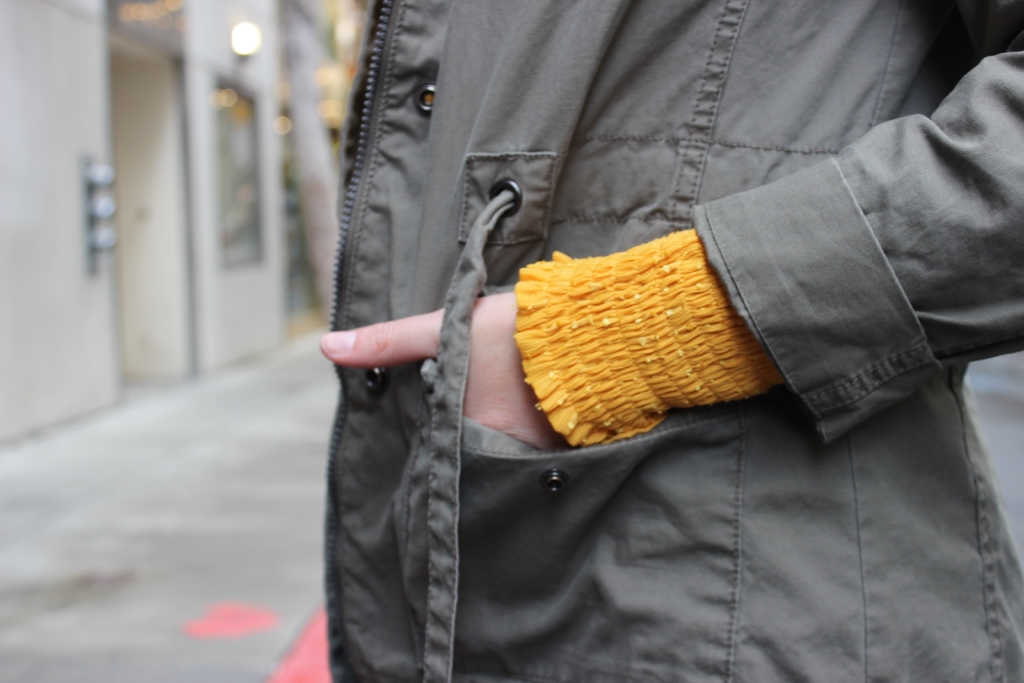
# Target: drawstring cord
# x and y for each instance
(446, 381)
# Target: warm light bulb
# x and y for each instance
(282, 125)
(246, 38)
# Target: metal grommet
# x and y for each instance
(513, 187)
(425, 98)
(377, 381)
(554, 481)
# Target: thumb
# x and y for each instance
(385, 344)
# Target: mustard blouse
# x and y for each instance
(609, 344)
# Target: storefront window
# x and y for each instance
(238, 169)
(157, 23)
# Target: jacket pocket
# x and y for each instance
(610, 562)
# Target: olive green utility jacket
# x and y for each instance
(856, 173)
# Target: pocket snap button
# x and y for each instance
(377, 381)
(513, 187)
(554, 481)
(425, 98)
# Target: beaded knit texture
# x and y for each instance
(610, 344)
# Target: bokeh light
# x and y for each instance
(246, 38)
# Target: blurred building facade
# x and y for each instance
(157, 90)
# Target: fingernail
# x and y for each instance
(338, 343)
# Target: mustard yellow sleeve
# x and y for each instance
(609, 344)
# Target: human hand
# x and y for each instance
(497, 395)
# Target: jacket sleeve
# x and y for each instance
(863, 275)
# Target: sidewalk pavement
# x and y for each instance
(173, 539)
(177, 537)
(998, 384)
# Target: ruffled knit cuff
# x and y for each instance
(609, 344)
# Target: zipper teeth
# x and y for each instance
(333, 522)
(363, 143)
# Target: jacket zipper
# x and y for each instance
(362, 145)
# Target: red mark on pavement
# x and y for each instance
(307, 661)
(231, 620)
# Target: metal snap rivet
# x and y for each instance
(377, 381)
(425, 98)
(554, 481)
(513, 187)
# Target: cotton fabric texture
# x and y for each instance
(853, 171)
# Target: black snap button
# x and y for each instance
(513, 187)
(425, 98)
(554, 481)
(377, 381)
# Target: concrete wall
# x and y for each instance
(152, 250)
(58, 350)
(240, 310)
(180, 305)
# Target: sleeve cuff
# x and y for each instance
(805, 271)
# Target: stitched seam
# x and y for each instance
(436, 583)
(425, 437)
(770, 147)
(702, 140)
(698, 153)
(835, 388)
(699, 181)
(860, 553)
(825, 399)
(888, 64)
(737, 554)
(515, 240)
(635, 138)
(744, 4)
(432, 573)
(359, 661)
(407, 521)
(705, 76)
(686, 153)
(550, 203)
(515, 155)
(374, 162)
(640, 438)
(470, 165)
(434, 580)
(597, 218)
(988, 588)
